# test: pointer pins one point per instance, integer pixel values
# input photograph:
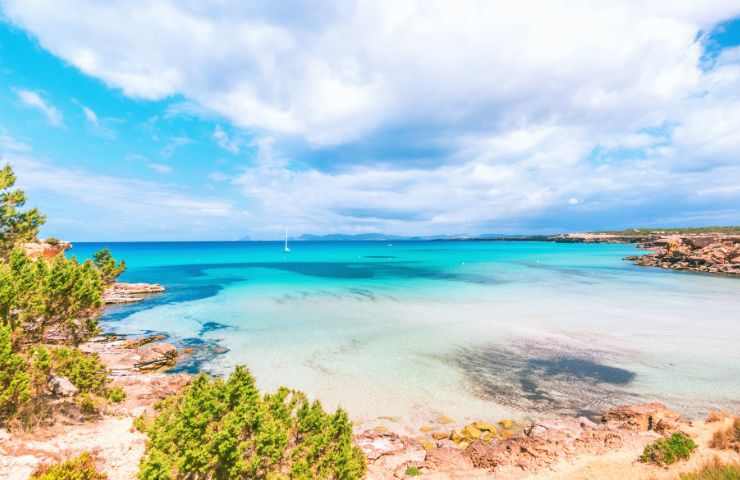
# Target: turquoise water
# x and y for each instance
(468, 329)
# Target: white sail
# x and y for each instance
(286, 249)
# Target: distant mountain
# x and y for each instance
(358, 237)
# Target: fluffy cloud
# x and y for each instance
(35, 100)
(534, 103)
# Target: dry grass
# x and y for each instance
(727, 438)
(715, 470)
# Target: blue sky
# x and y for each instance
(219, 120)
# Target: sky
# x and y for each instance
(222, 120)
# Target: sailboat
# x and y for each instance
(286, 249)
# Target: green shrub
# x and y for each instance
(38, 295)
(84, 370)
(16, 226)
(715, 470)
(116, 394)
(227, 429)
(107, 266)
(78, 468)
(15, 383)
(89, 403)
(666, 451)
(53, 241)
(412, 471)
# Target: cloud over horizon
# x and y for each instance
(431, 117)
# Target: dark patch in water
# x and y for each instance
(201, 352)
(211, 327)
(583, 369)
(543, 378)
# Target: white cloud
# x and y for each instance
(10, 144)
(175, 143)
(90, 115)
(224, 141)
(35, 100)
(534, 103)
(348, 68)
(121, 204)
(160, 168)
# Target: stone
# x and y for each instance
(440, 435)
(485, 427)
(506, 424)
(61, 387)
(471, 432)
(156, 356)
(427, 428)
(643, 417)
(121, 292)
(140, 342)
(45, 248)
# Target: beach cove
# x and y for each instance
(414, 330)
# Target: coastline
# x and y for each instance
(550, 447)
(391, 445)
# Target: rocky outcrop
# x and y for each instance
(156, 356)
(643, 418)
(712, 253)
(45, 248)
(61, 387)
(121, 292)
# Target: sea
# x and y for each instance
(467, 329)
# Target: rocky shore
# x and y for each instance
(440, 448)
(121, 292)
(711, 252)
(698, 253)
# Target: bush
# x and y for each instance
(78, 468)
(15, 382)
(16, 226)
(715, 470)
(84, 370)
(667, 451)
(36, 295)
(116, 394)
(412, 471)
(107, 266)
(227, 429)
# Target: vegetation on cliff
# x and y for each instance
(228, 429)
(45, 301)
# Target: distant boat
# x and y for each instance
(286, 249)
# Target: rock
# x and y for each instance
(447, 458)
(140, 342)
(440, 435)
(61, 387)
(121, 292)
(715, 253)
(485, 427)
(471, 432)
(643, 417)
(506, 424)
(45, 248)
(156, 356)
(427, 428)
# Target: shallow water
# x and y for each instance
(468, 329)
